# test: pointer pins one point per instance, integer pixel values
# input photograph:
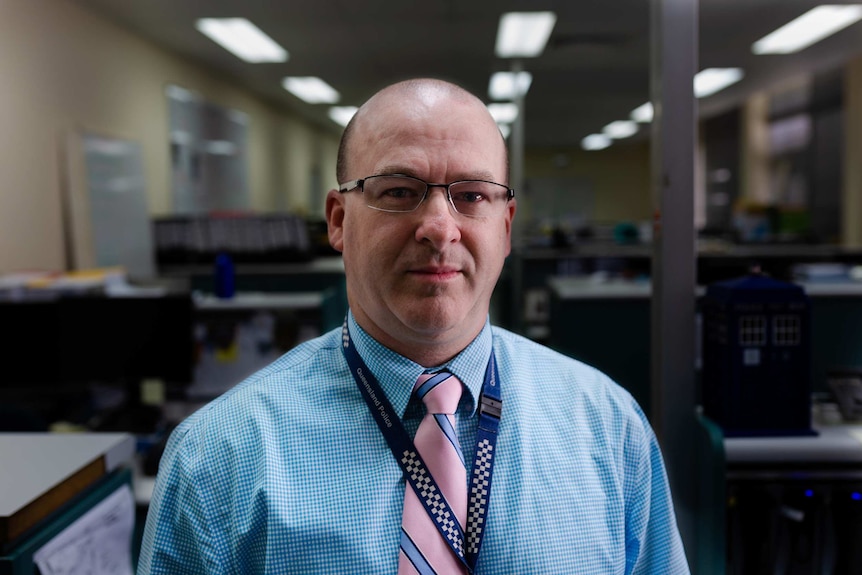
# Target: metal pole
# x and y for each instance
(674, 58)
(516, 169)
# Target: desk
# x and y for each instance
(833, 455)
(50, 479)
(259, 300)
(587, 288)
(316, 275)
(782, 504)
(239, 335)
(606, 325)
(51, 469)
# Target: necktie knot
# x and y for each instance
(440, 392)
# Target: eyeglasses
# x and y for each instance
(397, 193)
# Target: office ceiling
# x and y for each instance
(594, 70)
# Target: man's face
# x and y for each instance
(422, 278)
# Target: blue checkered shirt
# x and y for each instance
(288, 473)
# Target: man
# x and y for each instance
(310, 466)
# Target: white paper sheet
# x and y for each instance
(97, 543)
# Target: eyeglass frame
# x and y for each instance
(359, 183)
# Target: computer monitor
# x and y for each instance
(65, 360)
(97, 339)
(29, 347)
(126, 339)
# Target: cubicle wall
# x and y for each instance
(274, 308)
(836, 330)
(610, 329)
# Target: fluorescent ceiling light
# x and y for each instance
(503, 113)
(342, 114)
(311, 89)
(505, 129)
(509, 85)
(712, 80)
(180, 94)
(642, 113)
(595, 142)
(808, 29)
(182, 138)
(620, 129)
(220, 147)
(243, 39)
(523, 34)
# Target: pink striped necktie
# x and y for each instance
(423, 548)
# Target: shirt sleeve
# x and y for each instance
(181, 533)
(653, 543)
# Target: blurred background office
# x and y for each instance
(162, 186)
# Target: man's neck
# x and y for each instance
(427, 352)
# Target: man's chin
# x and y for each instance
(436, 325)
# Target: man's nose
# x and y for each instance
(437, 219)
(434, 200)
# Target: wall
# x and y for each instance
(833, 161)
(295, 173)
(851, 230)
(754, 155)
(721, 171)
(618, 176)
(64, 70)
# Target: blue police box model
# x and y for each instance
(756, 373)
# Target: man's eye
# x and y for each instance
(469, 197)
(399, 193)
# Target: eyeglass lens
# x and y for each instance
(404, 194)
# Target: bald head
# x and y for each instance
(415, 98)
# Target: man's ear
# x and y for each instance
(510, 216)
(335, 219)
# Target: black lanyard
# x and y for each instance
(490, 410)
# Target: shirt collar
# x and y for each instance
(397, 374)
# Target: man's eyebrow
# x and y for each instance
(397, 169)
(480, 175)
(394, 169)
